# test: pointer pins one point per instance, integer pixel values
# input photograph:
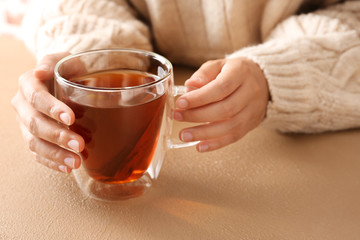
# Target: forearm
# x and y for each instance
(311, 63)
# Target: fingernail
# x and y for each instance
(43, 67)
(178, 116)
(182, 103)
(63, 169)
(74, 145)
(186, 137)
(65, 118)
(203, 147)
(70, 161)
(194, 79)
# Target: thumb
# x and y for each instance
(205, 74)
(45, 68)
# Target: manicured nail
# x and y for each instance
(65, 118)
(182, 103)
(178, 116)
(43, 67)
(186, 137)
(203, 147)
(70, 161)
(74, 145)
(194, 79)
(63, 169)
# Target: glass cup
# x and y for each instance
(122, 100)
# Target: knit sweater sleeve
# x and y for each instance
(312, 64)
(78, 25)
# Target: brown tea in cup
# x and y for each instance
(122, 100)
(120, 139)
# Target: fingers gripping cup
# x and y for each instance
(122, 100)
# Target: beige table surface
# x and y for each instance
(266, 186)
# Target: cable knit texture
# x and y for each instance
(312, 64)
(79, 25)
(311, 61)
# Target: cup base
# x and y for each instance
(111, 192)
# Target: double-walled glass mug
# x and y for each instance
(122, 100)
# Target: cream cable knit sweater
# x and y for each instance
(311, 61)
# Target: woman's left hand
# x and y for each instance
(231, 100)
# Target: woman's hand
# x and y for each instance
(231, 100)
(39, 114)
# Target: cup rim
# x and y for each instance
(159, 57)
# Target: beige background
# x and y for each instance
(266, 186)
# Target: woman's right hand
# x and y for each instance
(44, 120)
